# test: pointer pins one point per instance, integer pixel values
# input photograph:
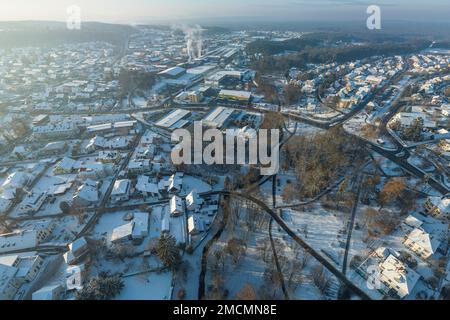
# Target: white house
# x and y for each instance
(28, 265)
(195, 225)
(141, 224)
(176, 206)
(397, 276)
(87, 194)
(122, 233)
(175, 183)
(193, 201)
(165, 224)
(139, 166)
(65, 166)
(108, 156)
(33, 202)
(75, 277)
(77, 251)
(146, 188)
(422, 243)
(121, 191)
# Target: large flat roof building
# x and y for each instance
(172, 72)
(174, 120)
(235, 95)
(218, 117)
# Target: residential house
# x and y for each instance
(397, 276)
(422, 243)
(54, 148)
(193, 201)
(87, 194)
(195, 225)
(140, 227)
(175, 183)
(26, 239)
(437, 207)
(139, 166)
(122, 233)
(33, 202)
(28, 266)
(108, 156)
(78, 250)
(121, 191)
(146, 188)
(176, 206)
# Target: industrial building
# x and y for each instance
(235, 96)
(174, 120)
(218, 117)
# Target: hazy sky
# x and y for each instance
(152, 10)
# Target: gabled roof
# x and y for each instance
(176, 205)
(17, 179)
(193, 199)
(424, 240)
(400, 277)
(122, 232)
(67, 164)
(144, 185)
(120, 187)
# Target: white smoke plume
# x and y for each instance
(194, 40)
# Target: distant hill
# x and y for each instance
(50, 33)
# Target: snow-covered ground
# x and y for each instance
(149, 286)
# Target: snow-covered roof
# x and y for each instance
(88, 193)
(413, 221)
(144, 185)
(176, 205)
(17, 179)
(235, 93)
(141, 222)
(9, 260)
(175, 182)
(122, 232)
(195, 224)
(67, 164)
(400, 277)
(78, 246)
(193, 199)
(121, 187)
(424, 240)
(18, 241)
(173, 72)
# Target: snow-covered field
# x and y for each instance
(150, 286)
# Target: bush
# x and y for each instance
(181, 294)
